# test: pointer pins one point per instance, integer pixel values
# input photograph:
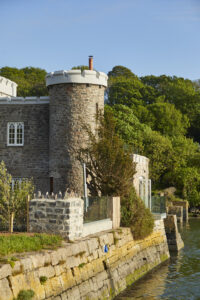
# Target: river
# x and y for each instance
(178, 278)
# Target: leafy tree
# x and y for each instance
(30, 80)
(81, 67)
(121, 71)
(111, 169)
(166, 119)
(12, 201)
(109, 166)
(124, 91)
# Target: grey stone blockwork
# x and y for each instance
(71, 106)
(32, 159)
(53, 132)
(63, 216)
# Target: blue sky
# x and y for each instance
(147, 36)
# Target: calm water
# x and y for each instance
(179, 278)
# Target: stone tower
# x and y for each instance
(75, 97)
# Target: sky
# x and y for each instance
(147, 36)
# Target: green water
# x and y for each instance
(179, 278)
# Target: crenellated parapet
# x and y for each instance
(77, 76)
(54, 196)
(24, 100)
(7, 87)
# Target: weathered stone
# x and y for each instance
(46, 271)
(5, 270)
(5, 291)
(26, 264)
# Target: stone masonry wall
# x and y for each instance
(82, 270)
(62, 216)
(175, 242)
(71, 106)
(32, 159)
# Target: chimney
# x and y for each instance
(90, 62)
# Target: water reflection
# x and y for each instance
(179, 278)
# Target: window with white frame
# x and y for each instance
(16, 182)
(15, 134)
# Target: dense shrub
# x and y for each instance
(135, 215)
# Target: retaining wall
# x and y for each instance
(82, 270)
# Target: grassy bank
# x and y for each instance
(18, 243)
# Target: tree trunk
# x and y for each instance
(11, 222)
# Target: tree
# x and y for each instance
(30, 80)
(81, 67)
(121, 71)
(110, 168)
(166, 119)
(12, 201)
(109, 165)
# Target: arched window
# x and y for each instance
(15, 132)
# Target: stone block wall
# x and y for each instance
(174, 239)
(82, 270)
(142, 175)
(184, 205)
(63, 216)
(176, 210)
(72, 106)
(32, 159)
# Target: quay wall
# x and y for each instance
(99, 266)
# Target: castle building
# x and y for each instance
(40, 136)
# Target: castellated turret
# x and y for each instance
(75, 98)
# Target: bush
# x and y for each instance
(135, 215)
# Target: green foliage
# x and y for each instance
(13, 201)
(166, 119)
(109, 165)
(183, 93)
(156, 116)
(81, 265)
(30, 80)
(119, 71)
(135, 215)
(81, 67)
(43, 279)
(23, 243)
(25, 295)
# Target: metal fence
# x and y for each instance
(158, 204)
(96, 208)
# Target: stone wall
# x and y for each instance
(82, 270)
(71, 107)
(141, 178)
(184, 204)
(174, 239)
(61, 216)
(7, 87)
(176, 210)
(32, 159)
(64, 215)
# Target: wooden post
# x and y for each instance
(27, 213)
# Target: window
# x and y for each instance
(15, 134)
(15, 182)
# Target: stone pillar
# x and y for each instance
(176, 210)
(114, 211)
(183, 204)
(174, 239)
(75, 98)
